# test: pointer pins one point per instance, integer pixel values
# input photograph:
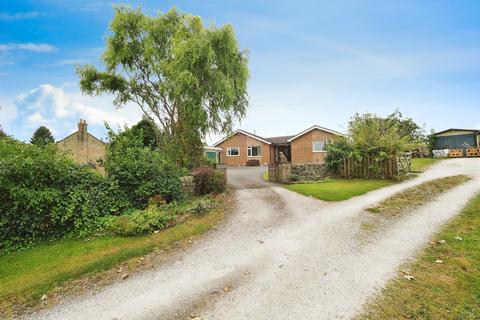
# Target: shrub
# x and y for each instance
(140, 171)
(337, 151)
(253, 162)
(207, 180)
(43, 194)
(137, 222)
(202, 206)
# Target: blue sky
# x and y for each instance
(311, 62)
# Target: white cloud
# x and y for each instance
(52, 107)
(18, 16)
(28, 46)
(66, 62)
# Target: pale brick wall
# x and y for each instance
(84, 147)
(243, 141)
(302, 150)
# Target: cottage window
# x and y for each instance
(233, 151)
(254, 151)
(319, 145)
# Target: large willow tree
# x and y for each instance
(187, 78)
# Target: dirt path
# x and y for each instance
(280, 255)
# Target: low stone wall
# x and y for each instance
(294, 172)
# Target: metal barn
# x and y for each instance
(457, 139)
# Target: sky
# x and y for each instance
(311, 62)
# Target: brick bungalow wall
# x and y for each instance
(302, 150)
(84, 148)
(243, 141)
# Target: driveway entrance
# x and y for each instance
(247, 177)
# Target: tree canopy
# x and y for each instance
(187, 78)
(42, 136)
(370, 135)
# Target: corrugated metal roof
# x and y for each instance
(453, 129)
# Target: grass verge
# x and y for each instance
(422, 164)
(265, 175)
(418, 195)
(27, 275)
(447, 277)
(338, 189)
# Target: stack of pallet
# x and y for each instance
(473, 152)
(455, 153)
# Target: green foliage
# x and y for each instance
(406, 127)
(147, 131)
(372, 135)
(43, 194)
(336, 152)
(3, 135)
(42, 136)
(207, 180)
(137, 222)
(140, 171)
(189, 78)
(155, 217)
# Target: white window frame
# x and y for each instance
(250, 149)
(325, 143)
(229, 149)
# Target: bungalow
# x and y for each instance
(306, 147)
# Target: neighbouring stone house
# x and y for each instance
(307, 146)
(85, 148)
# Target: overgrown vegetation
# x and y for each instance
(44, 195)
(26, 275)
(447, 277)
(338, 189)
(140, 171)
(374, 137)
(418, 195)
(207, 180)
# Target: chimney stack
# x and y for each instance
(82, 129)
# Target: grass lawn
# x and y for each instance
(338, 189)
(26, 275)
(447, 277)
(422, 164)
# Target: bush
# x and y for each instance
(207, 180)
(137, 222)
(337, 151)
(140, 171)
(43, 194)
(253, 163)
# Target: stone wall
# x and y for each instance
(295, 172)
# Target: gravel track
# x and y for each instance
(280, 255)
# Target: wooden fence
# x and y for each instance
(370, 168)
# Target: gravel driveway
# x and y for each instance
(247, 177)
(280, 255)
